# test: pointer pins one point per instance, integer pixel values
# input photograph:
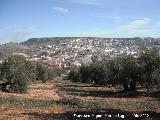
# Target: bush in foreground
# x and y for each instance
(17, 72)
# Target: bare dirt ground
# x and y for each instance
(40, 102)
(37, 91)
(108, 98)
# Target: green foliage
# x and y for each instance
(14, 101)
(52, 73)
(41, 73)
(85, 73)
(74, 76)
(94, 58)
(60, 71)
(20, 85)
(1, 55)
(150, 67)
(70, 101)
(98, 72)
(126, 71)
(17, 71)
(31, 71)
(93, 105)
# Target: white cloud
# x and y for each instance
(134, 24)
(16, 34)
(141, 27)
(115, 17)
(60, 9)
(89, 2)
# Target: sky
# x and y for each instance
(24, 19)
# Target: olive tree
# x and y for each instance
(74, 76)
(17, 72)
(41, 73)
(85, 73)
(150, 67)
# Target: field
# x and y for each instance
(61, 99)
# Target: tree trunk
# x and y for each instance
(125, 87)
(133, 86)
(3, 86)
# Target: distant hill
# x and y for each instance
(9, 48)
(36, 41)
(49, 40)
(33, 44)
(52, 40)
(56, 40)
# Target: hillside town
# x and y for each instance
(71, 53)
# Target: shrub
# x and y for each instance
(125, 70)
(52, 73)
(98, 72)
(70, 101)
(41, 73)
(60, 71)
(17, 71)
(150, 67)
(85, 74)
(74, 76)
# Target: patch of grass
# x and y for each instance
(26, 102)
(144, 106)
(137, 105)
(71, 101)
(93, 105)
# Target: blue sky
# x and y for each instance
(23, 19)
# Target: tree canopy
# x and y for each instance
(17, 71)
(126, 71)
